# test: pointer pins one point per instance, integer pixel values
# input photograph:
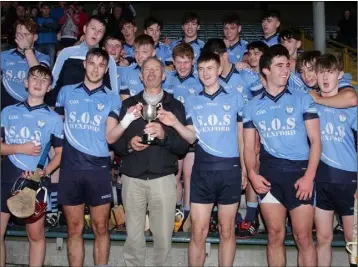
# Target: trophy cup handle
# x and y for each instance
(141, 104)
(158, 106)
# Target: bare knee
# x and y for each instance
(36, 235)
(199, 234)
(100, 228)
(226, 231)
(303, 238)
(324, 238)
(75, 228)
(276, 236)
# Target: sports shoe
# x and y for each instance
(179, 217)
(338, 230)
(213, 226)
(246, 229)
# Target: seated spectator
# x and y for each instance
(58, 12)
(114, 21)
(347, 33)
(69, 32)
(83, 17)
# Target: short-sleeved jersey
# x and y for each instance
(280, 122)
(129, 80)
(14, 70)
(86, 113)
(245, 82)
(129, 50)
(163, 52)
(338, 130)
(237, 51)
(22, 123)
(182, 88)
(69, 69)
(215, 119)
(196, 44)
(272, 40)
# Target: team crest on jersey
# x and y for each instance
(342, 117)
(289, 109)
(40, 124)
(191, 91)
(240, 89)
(238, 56)
(226, 107)
(100, 106)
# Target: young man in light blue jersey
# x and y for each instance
(346, 97)
(255, 50)
(270, 25)
(128, 29)
(114, 47)
(336, 179)
(15, 63)
(69, 68)
(236, 47)
(291, 39)
(285, 121)
(26, 129)
(129, 80)
(214, 120)
(191, 26)
(182, 83)
(153, 27)
(88, 108)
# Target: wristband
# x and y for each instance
(127, 119)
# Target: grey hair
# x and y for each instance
(155, 59)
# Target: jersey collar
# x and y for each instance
(275, 98)
(137, 67)
(213, 96)
(17, 52)
(271, 37)
(91, 92)
(195, 41)
(235, 45)
(232, 71)
(130, 46)
(191, 74)
(83, 45)
(29, 108)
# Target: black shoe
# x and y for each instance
(338, 230)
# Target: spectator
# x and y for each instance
(83, 17)
(115, 20)
(347, 33)
(20, 12)
(102, 12)
(34, 13)
(69, 32)
(47, 28)
(58, 12)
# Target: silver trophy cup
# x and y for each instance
(149, 113)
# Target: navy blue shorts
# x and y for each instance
(216, 186)
(91, 187)
(337, 197)
(282, 188)
(9, 175)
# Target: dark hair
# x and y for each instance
(274, 51)
(143, 39)
(43, 4)
(290, 33)
(309, 57)
(98, 18)
(29, 24)
(329, 62)
(189, 17)
(215, 45)
(151, 21)
(259, 45)
(231, 18)
(126, 21)
(271, 14)
(183, 50)
(41, 70)
(97, 52)
(112, 37)
(208, 56)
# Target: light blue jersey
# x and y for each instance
(163, 52)
(237, 51)
(39, 124)
(272, 40)
(215, 119)
(86, 113)
(130, 83)
(245, 82)
(14, 69)
(280, 122)
(129, 50)
(182, 88)
(338, 145)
